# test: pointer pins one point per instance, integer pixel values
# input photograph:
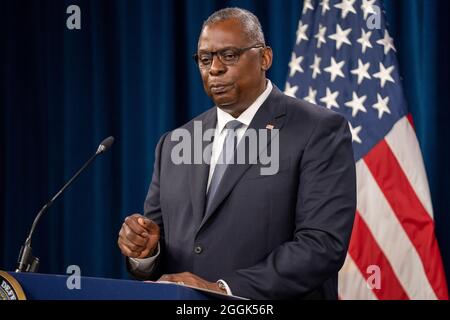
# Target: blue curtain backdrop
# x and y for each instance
(128, 73)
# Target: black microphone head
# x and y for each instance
(105, 145)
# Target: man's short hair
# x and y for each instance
(250, 23)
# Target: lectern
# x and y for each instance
(55, 287)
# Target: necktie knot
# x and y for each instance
(233, 124)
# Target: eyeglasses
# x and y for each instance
(227, 56)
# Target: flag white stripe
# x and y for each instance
(390, 236)
(352, 284)
(404, 145)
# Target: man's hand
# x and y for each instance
(138, 237)
(187, 278)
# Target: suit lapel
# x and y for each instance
(272, 113)
(198, 173)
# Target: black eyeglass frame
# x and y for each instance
(239, 52)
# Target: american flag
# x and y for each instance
(345, 60)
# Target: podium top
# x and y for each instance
(57, 287)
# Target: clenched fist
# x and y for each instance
(138, 237)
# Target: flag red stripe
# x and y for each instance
(365, 251)
(411, 120)
(410, 212)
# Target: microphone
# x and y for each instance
(27, 262)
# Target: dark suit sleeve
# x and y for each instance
(152, 210)
(325, 209)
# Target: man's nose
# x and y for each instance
(217, 67)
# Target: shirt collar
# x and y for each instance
(246, 117)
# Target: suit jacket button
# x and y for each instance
(198, 249)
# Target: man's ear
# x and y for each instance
(267, 56)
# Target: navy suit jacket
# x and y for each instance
(281, 236)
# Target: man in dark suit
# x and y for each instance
(226, 226)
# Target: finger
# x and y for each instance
(126, 251)
(147, 252)
(142, 221)
(132, 223)
(178, 278)
(148, 224)
(172, 278)
(146, 246)
(132, 246)
(191, 279)
(135, 238)
(166, 277)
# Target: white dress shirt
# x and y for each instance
(146, 265)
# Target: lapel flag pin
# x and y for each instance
(270, 126)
